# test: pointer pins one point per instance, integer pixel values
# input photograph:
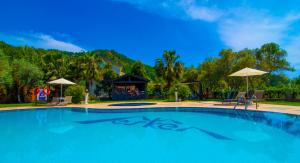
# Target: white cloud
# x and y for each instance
(251, 30)
(203, 13)
(254, 28)
(293, 49)
(200, 11)
(40, 40)
(183, 9)
(239, 25)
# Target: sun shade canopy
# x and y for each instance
(61, 81)
(248, 72)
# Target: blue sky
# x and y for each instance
(143, 29)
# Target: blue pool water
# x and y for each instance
(80, 135)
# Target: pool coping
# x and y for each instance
(290, 123)
(292, 110)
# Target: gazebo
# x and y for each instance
(129, 87)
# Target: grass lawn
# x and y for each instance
(90, 102)
(21, 105)
(116, 101)
(282, 103)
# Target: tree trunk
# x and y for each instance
(19, 96)
(90, 85)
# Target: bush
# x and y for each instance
(156, 91)
(284, 92)
(77, 92)
(184, 92)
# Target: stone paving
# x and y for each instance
(211, 104)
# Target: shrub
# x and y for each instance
(77, 92)
(155, 91)
(184, 92)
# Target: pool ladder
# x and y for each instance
(247, 102)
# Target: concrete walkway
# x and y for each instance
(211, 104)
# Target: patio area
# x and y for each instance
(201, 104)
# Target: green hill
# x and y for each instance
(121, 61)
(37, 56)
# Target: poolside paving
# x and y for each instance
(201, 104)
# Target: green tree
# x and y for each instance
(55, 65)
(208, 74)
(297, 80)
(169, 68)
(108, 76)
(92, 70)
(138, 68)
(191, 77)
(25, 74)
(272, 58)
(244, 58)
(5, 70)
(76, 68)
(5, 74)
(77, 92)
(183, 91)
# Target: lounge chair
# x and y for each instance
(230, 100)
(256, 97)
(55, 101)
(67, 100)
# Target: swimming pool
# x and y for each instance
(133, 104)
(148, 135)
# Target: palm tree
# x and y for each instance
(25, 74)
(55, 65)
(92, 69)
(169, 68)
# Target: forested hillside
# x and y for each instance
(22, 68)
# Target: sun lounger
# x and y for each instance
(67, 100)
(258, 95)
(55, 101)
(238, 96)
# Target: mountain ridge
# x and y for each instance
(109, 56)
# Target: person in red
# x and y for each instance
(37, 92)
(47, 91)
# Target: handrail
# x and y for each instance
(247, 102)
(250, 101)
(239, 100)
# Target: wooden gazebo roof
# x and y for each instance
(129, 79)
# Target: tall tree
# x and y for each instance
(272, 58)
(244, 58)
(5, 70)
(5, 74)
(297, 80)
(92, 69)
(55, 65)
(25, 74)
(208, 74)
(108, 76)
(169, 68)
(191, 77)
(138, 68)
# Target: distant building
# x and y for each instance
(93, 87)
(118, 70)
(129, 87)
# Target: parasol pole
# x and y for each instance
(60, 92)
(247, 86)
